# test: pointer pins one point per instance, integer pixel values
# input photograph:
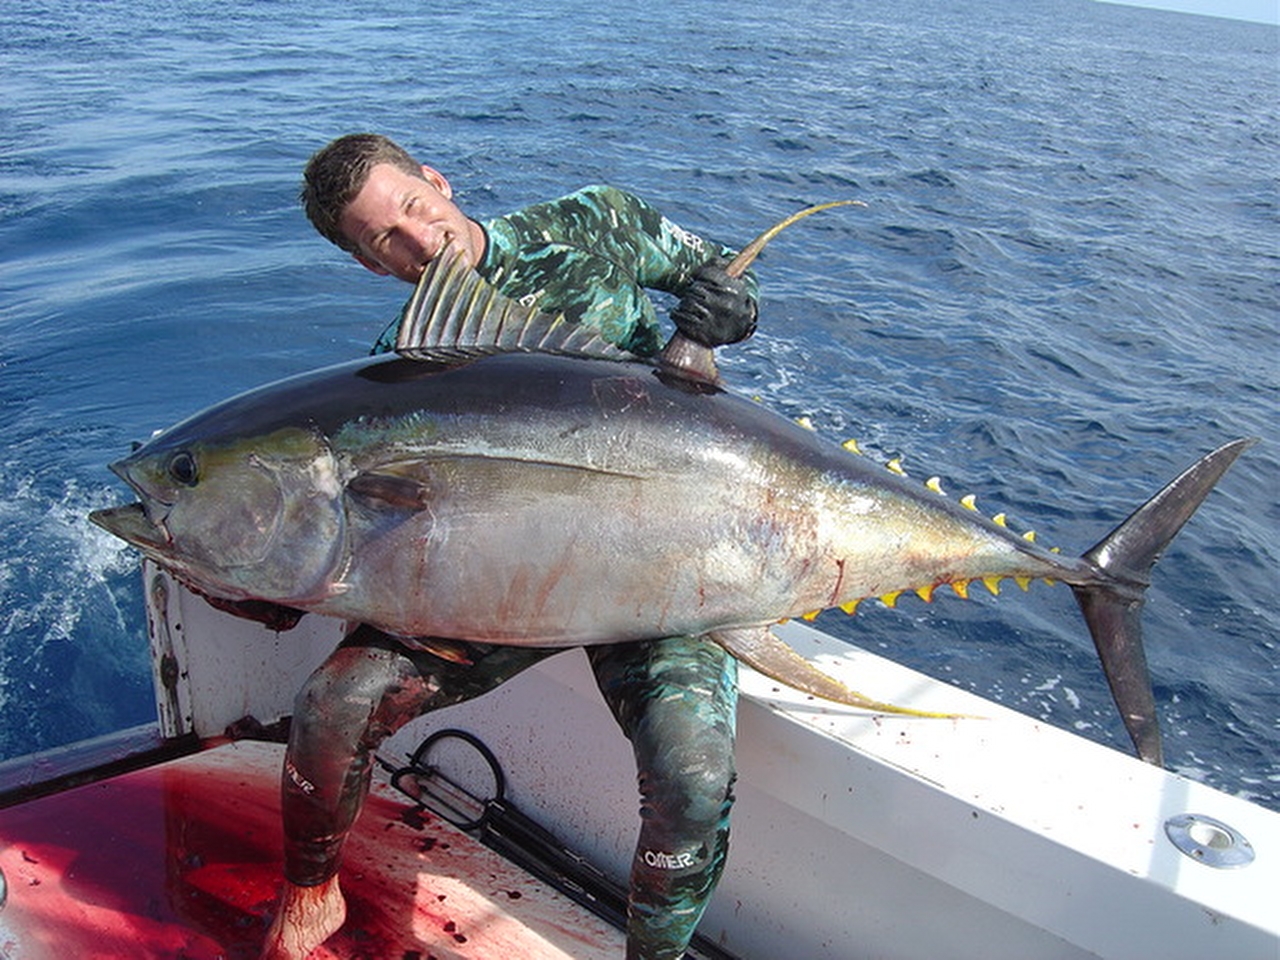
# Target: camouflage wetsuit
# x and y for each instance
(589, 255)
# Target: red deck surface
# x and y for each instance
(182, 860)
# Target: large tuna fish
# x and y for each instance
(498, 484)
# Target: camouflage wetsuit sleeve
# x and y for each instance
(591, 255)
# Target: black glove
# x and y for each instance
(716, 308)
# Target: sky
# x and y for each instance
(1261, 11)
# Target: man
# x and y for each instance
(589, 256)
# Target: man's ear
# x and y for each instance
(372, 266)
(437, 180)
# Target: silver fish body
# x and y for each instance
(544, 500)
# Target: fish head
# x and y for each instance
(238, 517)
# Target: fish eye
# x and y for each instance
(182, 468)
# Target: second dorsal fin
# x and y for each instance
(456, 312)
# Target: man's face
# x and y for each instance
(400, 222)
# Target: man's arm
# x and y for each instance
(715, 308)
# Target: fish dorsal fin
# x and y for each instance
(690, 358)
(455, 312)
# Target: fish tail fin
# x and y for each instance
(1112, 606)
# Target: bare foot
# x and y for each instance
(307, 917)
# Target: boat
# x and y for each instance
(501, 827)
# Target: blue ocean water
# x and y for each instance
(1065, 286)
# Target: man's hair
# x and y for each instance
(337, 173)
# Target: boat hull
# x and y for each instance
(854, 835)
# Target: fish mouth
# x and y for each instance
(131, 523)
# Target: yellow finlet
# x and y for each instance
(1023, 582)
(969, 501)
(992, 584)
(852, 446)
(925, 593)
(891, 599)
(895, 466)
(811, 615)
(999, 520)
(851, 607)
(806, 423)
(1029, 536)
(961, 587)
(935, 484)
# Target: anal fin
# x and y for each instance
(759, 649)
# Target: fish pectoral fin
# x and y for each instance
(274, 616)
(394, 489)
(759, 649)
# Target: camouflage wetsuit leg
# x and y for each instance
(367, 689)
(676, 700)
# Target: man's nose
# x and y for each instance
(409, 237)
